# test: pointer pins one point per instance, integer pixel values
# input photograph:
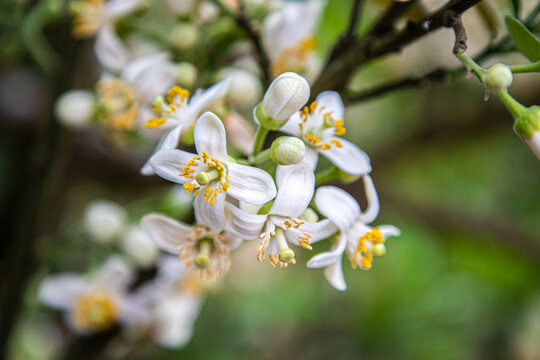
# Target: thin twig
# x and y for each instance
(387, 21)
(454, 21)
(348, 37)
(353, 20)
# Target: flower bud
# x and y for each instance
(244, 88)
(104, 220)
(285, 96)
(309, 215)
(498, 77)
(186, 74)
(183, 36)
(139, 247)
(288, 150)
(527, 126)
(74, 109)
(180, 7)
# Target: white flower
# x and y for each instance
(361, 241)
(94, 303)
(174, 299)
(74, 108)
(280, 226)
(320, 126)
(178, 113)
(139, 247)
(105, 220)
(289, 38)
(197, 245)
(210, 174)
(99, 17)
(122, 100)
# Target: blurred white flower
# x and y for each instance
(210, 172)
(186, 74)
(105, 220)
(178, 113)
(99, 17)
(320, 126)
(139, 247)
(123, 100)
(280, 225)
(198, 246)
(361, 241)
(74, 108)
(94, 303)
(180, 7)
(245, 89)
(289, 38)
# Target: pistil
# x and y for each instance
(202, 260)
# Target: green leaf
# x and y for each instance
(525, 41)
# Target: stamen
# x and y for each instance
(376, 238)
(154, 123)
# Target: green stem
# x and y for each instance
(514, 107)
(260, 136)
(532, 67)
(471, 65)
(326, 175)
(261, 157)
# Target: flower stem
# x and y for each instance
(471, 65)
(514, 107)
(260, 136)
(326, 175)
(261, 157)
(532, 67)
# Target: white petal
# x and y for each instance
(348, 158)
(61, 291)
(372, 210)
(334, 275)
(111, 53)
(137, 67)
(165, 232)
(291, 127)
(174, 318)
(213, 216)
(209, 134)
(115, 274)
(534, 144)
(251, 185)
(117, 8)
(310, 158)
(319, 230)
(295, 191)
(169, 164)
(242, 224)
(389, 230)
(201, 101)
(332, 102)
(169, 141)
(337, 205)
(132, 311)
(329, 257)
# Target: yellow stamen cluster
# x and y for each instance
(310, 110)
(294, 58)
(89, 16)
(304, 241)
(176, 97)
(118, 105)
(210, 194)
(374, 236)
(219, 254)
(95, 311)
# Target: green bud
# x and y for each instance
(186, 74)
(288, 150)
(528, 122)
(265, 120)
(498, 77)
(183, 36)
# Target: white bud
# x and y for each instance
(207, 11)
(180, 7)
(288, 150)
(285, 96)
(499, 77)
(139, 247)
(244, 87)
(186, 74)
(74, 108)
(104, 220)
(184, 36)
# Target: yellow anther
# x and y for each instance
(95, 311)
(375, 237)
(177, 91)
(196, 192)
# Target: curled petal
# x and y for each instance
(165, 232)
(330, 257)
(112, 54)
(389, 230)
(169, 141)
(348, 158)
(169, 164)
(332, 102)
(213, 216)
(295, 191)
(334, 275)
(242, 224)
(251, 185)
(372, 210)
(202, 100)
(337, 205)
(210, 136)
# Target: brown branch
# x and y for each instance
(348, 38)
(386, 22)
(454, 20)
(337, 71)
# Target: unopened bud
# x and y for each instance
(139, 247)
(285, 96)
(244, 89)
(499, 77)
(186, 74)
(288, 150)
(527, 126)
(74, 109)
(183, 36)
(105, 220)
